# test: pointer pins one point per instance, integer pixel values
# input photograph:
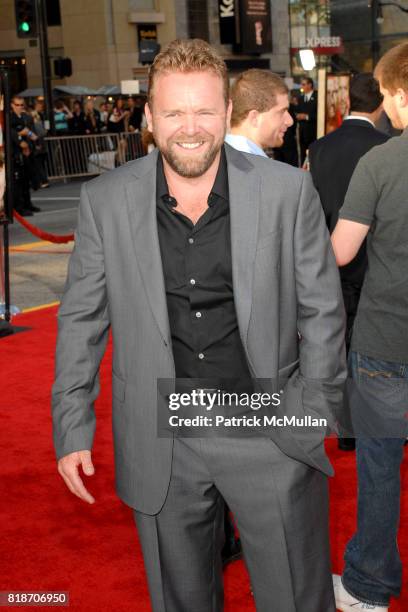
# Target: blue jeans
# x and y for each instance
(379, 402)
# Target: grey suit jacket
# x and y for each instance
(288, 303)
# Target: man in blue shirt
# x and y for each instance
(260, 112)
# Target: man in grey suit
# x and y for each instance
(206, 263)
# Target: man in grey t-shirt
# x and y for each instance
(376, 206)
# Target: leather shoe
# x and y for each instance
(347, 444)
(34, 208)
(25, 212)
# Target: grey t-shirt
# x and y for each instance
(378, 197)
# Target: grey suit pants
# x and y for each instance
(281, 509)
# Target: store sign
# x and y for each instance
(226, 12)
(147, 32)
(321, 45)
(255, 26)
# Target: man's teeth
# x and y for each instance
(190, 145)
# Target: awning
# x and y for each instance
(68, 90)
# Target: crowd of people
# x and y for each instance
(125, 115)
(29, 128)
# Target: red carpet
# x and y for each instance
(51, 541)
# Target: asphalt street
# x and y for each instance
(38, 268)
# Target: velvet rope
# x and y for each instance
(40, 233)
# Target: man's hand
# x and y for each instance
(68, 468)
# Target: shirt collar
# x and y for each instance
(220, 187)
(359, 117)
(242, 143)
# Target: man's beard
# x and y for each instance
(181, 164)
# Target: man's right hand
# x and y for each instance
(68, 469)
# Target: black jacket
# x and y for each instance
(333, 159)
(308, 126)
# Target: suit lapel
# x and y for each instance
(141, 205)
(244, 192)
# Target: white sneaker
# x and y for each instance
(347, 603)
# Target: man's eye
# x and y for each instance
(172, 115)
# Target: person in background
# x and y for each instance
(40, 153)
(148, 143)
(77, 122)
(135, 108)
(92, 118)
(118, 120)
(62, 114)
(104, 112)
(260, 112)
(376, 207)
(117, 124)
(333, 160)
(306, 115)
(23, 140)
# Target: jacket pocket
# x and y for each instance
(288, 370)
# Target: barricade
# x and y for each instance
(76, 156)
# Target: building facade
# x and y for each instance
(103, 37)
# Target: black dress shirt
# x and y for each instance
(198, 279)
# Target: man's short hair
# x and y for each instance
(392, 69)
(365, 95)
(308, 80)
(190, 55)
(255, 89)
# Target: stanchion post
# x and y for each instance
(8, 195)
(7, 313)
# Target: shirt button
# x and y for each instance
(198, 315)
(191, 240)
(192, 281)
(201, 355)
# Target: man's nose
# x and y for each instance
(288, 119)
(190, 123)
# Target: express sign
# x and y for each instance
(321, 45)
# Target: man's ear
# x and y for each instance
(253, 117)
(149, 117)
(402, 98)
(229, 112)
